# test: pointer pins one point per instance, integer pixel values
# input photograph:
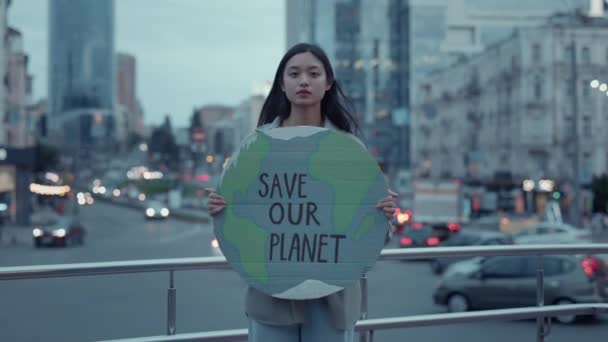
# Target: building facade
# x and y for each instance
(20, 126)
(367, 43)
(81, 68)
(3, 63)
(517, 107)
(126, 93)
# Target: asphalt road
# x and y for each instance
(121, 306)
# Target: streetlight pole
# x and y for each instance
(576, 160)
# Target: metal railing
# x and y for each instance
(366, 327)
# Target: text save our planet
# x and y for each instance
(298, 246)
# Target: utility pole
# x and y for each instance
(576, 162)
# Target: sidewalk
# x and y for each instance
(14, 235)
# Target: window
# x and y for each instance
(568, 53)
(543, 230)
(551, 266)
(538, 87)
(586, 88)
(536, 56)
(514, 61)
(503, 267)
(586, 55)
(587, 125)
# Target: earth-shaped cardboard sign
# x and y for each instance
(301, 220)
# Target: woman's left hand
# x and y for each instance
(388, 204)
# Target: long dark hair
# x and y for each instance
(335, 106)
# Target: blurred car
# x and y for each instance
(469, 237)
(66, 230)
(418, 235)
(156, 210)
(85, 198)
(550, 232)
(510, 281)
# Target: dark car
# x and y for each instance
(418, 235)
(61, 232)
(156, 210)
(510, 281)
(469, 237)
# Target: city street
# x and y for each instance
(111, 307)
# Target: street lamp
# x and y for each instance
(603, 87)
(594, 84)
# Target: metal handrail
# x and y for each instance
(181, 264)
(171, 265)
(401, 322)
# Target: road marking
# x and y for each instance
(197, 229)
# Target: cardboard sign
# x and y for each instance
(301, 220)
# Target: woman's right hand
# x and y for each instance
(215, 202)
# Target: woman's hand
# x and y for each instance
(388, 204)
(215, 202)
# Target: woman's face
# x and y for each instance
(304, 80)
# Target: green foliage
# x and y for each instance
(162, 142)
(155, 187)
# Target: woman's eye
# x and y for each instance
(293, 74)
(315, 74)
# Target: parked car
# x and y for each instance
(156, 209)
(550, 232)
(468, 237)
(510, 281)
(66, 230)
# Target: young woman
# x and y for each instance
(304, 93)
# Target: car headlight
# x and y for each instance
(150, 212)
(59, 232)
(37, 232)
(164, 212)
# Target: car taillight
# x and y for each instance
(416, 225)
(454, 227)
(432, 241)
(406, 241)
(590, 266)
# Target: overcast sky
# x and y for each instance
(189, 52)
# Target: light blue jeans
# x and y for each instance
(318, 327)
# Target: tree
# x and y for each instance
(162, 142)
(195, 120)
(599, 186)
(46, 157)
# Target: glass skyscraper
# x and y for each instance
(81, 65)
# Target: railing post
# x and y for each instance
(363, 334)
(171, 292)
(541, 333)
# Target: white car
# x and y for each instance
(549, 232)
(157, 209)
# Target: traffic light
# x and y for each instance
(556, 195)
